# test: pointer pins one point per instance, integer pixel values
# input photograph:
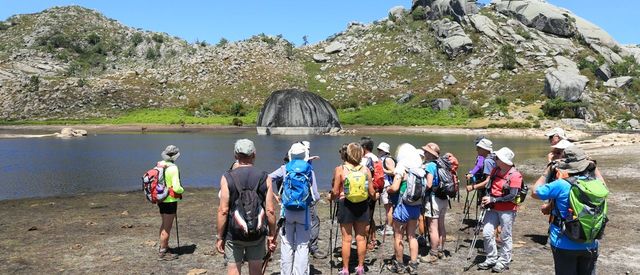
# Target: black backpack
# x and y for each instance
(248, 220)
(447, 185)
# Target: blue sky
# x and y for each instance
(235, 20)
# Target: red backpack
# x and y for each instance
(377, 174)
(153, 184)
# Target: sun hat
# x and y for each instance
(408, 156)
(562, 144)
(432, 148)
(384, 146)
(298, 151)
(306, 144)
(420, 152)
(171, 153)
(245, 147)
(575, 160)
(505, 155)
(485, 144)
(556, 131)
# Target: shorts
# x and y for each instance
(439, 207)
(237, 251)
(384, 196)
(349, 212)
(404, 213)
(168, 207)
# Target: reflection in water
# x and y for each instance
(115, 162)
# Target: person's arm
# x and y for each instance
(476, 169)
(337, 181)
(372, 191)
(173, 177)
(546, 191)
(599, 176)
(395, 186)
(314, 187)
(389, 166)
(271, 216)
(223, 212)
(429, 180)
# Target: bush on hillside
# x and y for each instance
(508, 57)
(419, 14)
(560, 108)
(223, 41)
(136, 39)
(627, 67)
(159, 38)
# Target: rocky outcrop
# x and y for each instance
(441, 104)
(484, 25)
(604, 72)
(335, 47)
(297, 112)
(437, 9)
(539, 15)
(71, 133)
(618, 82)
(565, 85)
(452, 38)
(397, 12)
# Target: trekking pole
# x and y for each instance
(465, 213)
(475, 238)
(332, 214)
(177, 233)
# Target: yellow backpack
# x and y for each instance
(355, 184)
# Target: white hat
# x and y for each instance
(407, 156)
(298, 151)
(562, 144)
(420, 152)
(505, 155)
(556, 131)
(245, 147)
(384, 146)
(485, 144)
(306, 144)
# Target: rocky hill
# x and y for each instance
(511, 60)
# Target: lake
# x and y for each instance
(109, 162)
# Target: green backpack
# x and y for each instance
(588, 210)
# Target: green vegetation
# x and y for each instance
(223, 41)
(152, 54)
(515, 125)
(136, 39)
(627, 67)
(313, 85)
(524, 33)
(216, 107)
(508, 57)
(559, 108)
(87, 54)
(392, 17)
(158, 38)
(419, 14)
(394, 114)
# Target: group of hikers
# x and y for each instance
(415, 186)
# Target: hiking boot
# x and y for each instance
(499, 268)
(486, 265)
(319, 254)
(396, 267)
(166, 256)
(441, 254)
(412, 268)
(429, 258)
(360, 270)
(343, 271)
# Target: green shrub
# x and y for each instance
(501, 100)
(508, 57)
(93, 39)
(627, 67)
(513, 125)
(152, 54)
(159, 38)
(475, 111)
(236, 121)
(583, 63)
(34, 83)
(136, 39)
(82, 82)
(223, 41)
(559, 108)
(237, 109)
(418, 13)
(393, 114)
(524, 33)
(392, 17)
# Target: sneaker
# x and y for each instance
(396, 267)
(360, 270)
(429, 258)
(412, 268)
(319, 254)
(486, 265)
(343, 271)
(499, 268)
(441, 254)
(166, 256)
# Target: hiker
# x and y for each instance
(550, 174)
(246, 202)
(369, 160)
(352, 193)
(479, 175)
(389, 165)
(315, 219)
(571, 256)
(555, 135)
(296, 234)
(169, 206)
(504, 184)
(435, 208)
(409, 183)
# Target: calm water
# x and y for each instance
(115, 162)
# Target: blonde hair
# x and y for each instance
(354, 154)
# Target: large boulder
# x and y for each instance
(565, 85)
(397, 12)
(441, 104)
(618, 82)
(484, 25)
(452, 38)
(442, 8)
(539, 15)
(335, 47)
(592, 33)
(297, 112)
(604, 72)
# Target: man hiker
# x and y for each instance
(169, 206)
(368, 160)
(435, 208)
(246, 204)
(573, 255)
(389, 165)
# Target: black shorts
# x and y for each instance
(168, 208)
(349, 212)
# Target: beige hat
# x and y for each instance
(505, 155)
(575, 160)
(562, 144)
(557, 131)
(485, 144)
(384, 147)
(245, 147)
(432, 148)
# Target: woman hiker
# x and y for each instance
(169, 206)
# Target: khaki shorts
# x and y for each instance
(239, 251)
(439, 208)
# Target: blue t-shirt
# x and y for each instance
(432, 168)
(559, 191)
(489, 164)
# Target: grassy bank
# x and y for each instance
(403, 115)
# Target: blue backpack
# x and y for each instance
(296, 186)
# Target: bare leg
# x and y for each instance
(346, 243)
(442, 232)
(389, 210)
(255, 267)
(234, 268)
(413, 242)
(165, 229)
(398, 245)
(434, 235)
(361, 242)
